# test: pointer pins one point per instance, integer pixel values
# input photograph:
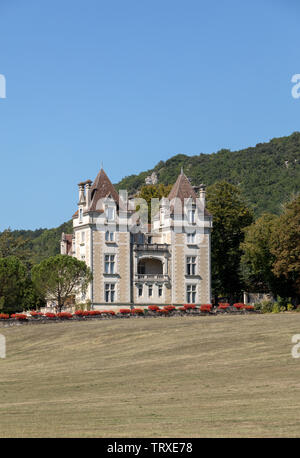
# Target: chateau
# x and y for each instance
(136, 263)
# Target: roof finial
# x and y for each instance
(181, 171)
(101, 164)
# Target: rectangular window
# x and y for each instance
(82, 236)
(140, 290)
(191, 265)
(191, 216)
(191, 294)
(191, 238)
(109, 236)
(80, 214)
(160, 291)
(109, 292)
(150, 291)
(83, 257)
(109, 263)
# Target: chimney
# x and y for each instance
(202, 193)
(81, 193)
(88, 185)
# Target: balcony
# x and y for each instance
(151, 247)
(152, 277)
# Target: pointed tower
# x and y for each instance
(188, 230)
(100, 244)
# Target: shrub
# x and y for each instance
(290, 307)
(20, 316)
(137, 312)
(249, 307)
(276, 308)
(35, 314)
(125, 311)
(266, 306)
(65, 315)
(170, 308)
(239, 305)
(223, 305)
(205, 307)
(153, 308)
(4, 316)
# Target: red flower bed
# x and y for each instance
(249, 307)
(4, 316)
(87, 312)
(169, 308)
(137, 311)
(153, 308)
(19, 316)
(182, 309)
(223, 306)
(107, 312)
(50, 315)
(239, 305)
(189, 306)
(64, 315)
(205, 307)
(36, 314)
(162, 311)
(125, 311)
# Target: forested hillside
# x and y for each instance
(267, 174)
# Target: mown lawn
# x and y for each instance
(224, 376)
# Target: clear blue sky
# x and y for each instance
(132, 82)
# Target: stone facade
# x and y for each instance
(166, 263)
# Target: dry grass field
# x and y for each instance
(224, 376)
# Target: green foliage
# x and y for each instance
(13, 244)
(276, 308)
(60, 278)
(230, 217)
(265, 306)
(32, 246)
(267, 174)
(286, 244)
(149, 192)
(258, 259)
(13, 282)
(290, 307)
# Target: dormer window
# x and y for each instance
(191, 216)
(110, 213)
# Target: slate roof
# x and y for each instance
(102, 188)
(183, 189)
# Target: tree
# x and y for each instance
(60, 277)
(231, 216)
(257, 260)
(13, 245)
(13, 279)
(286, 244)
